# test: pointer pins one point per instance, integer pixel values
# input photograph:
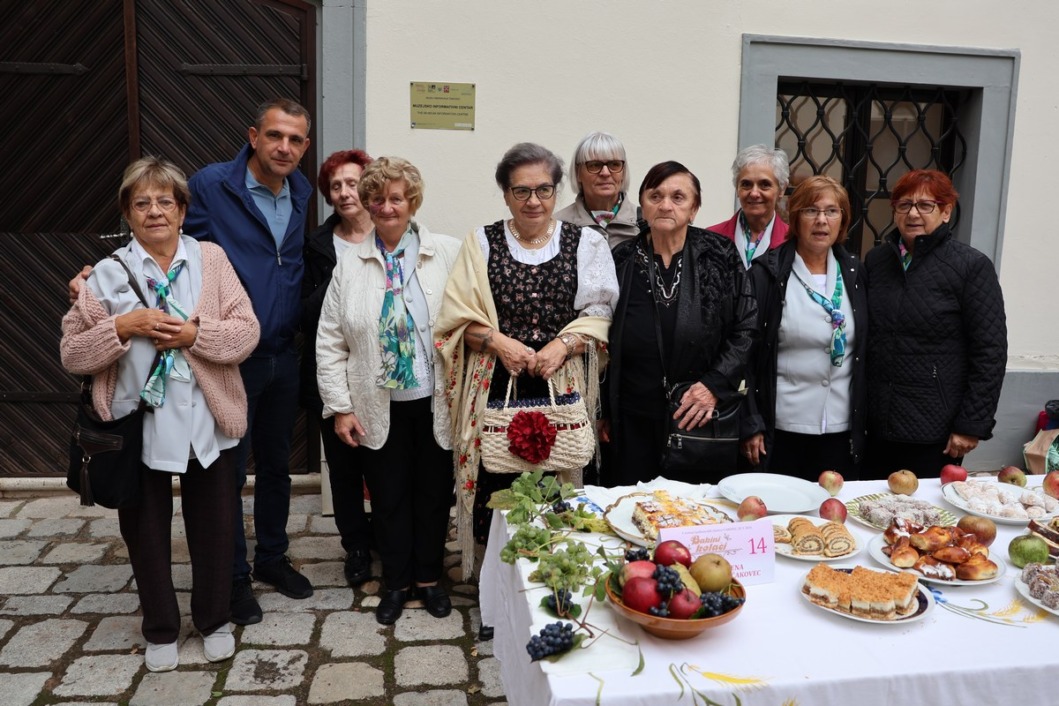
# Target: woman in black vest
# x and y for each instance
(531, 297)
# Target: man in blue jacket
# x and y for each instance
(255, 208)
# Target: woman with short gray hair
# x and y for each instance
(760, 175)
(600, 172)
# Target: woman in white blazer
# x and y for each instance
(375, 369)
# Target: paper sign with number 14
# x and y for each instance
(748, 546)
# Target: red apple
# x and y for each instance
(903, 482)
(1051, 484)
(833, 509)
(950, 473)
(641, 594)
(752, 508)
(636, 569)
(672, 552)
(982, 528)
(831, 481)
(684, 604)
(1013, 475)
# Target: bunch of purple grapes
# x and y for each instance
(555, 638)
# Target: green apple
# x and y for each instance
(1027, 549)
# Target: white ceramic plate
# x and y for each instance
(953, 498)
(1024, 591)
(853, 508)
(926, 604)
(787, 550)
(781, 494)
(875, 551)
(619, 515)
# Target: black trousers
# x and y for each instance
(411, 481)
(346, 472)
(885, 457)
(635, 450)
(208, 504)
(807, 455)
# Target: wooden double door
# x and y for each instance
(88, 86)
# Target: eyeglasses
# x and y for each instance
(924, 207)
(144, 205)
(613, 165)
(543, 192)
(811, 213)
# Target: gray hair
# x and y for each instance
(602, 146)
(527, 153)
(761, 154)
(152, 171)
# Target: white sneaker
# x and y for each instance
(161, 658)
(219, 645)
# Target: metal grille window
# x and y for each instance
(866, 137)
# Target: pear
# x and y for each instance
(689, 581)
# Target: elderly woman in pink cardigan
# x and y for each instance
(180, 354)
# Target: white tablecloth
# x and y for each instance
(979, 645)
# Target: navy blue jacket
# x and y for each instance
(223, 211)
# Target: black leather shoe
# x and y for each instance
(358, 567)
(435, 600)
(485, 633)
(284, 577)
(391, 606)
(243, 606)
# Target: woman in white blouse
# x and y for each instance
(375, 370)
(806, 400)
(531, 297)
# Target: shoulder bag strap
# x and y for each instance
(657, 318)
(86, 381)
(132, 280)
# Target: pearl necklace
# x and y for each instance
(535, 241)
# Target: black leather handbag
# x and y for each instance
(105, 465)
(705, 451)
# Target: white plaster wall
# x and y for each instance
(663, 75)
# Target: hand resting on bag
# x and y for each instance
(696, 407)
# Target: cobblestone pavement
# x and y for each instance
(70, 625)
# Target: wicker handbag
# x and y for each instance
(549, 434)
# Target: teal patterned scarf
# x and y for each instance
(171, 363)
(396, 328)
(838, 319)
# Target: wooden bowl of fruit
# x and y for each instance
(668, 601)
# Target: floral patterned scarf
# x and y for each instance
(396, 328)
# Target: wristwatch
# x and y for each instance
(569, 340)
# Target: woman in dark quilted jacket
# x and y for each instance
(937, 346)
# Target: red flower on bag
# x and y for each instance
(531, 436)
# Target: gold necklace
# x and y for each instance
(535, 241)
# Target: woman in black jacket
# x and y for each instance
(806, 404)
(348, 225)
(700, 297)
(938, 344)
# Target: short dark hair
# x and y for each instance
(287, 106)
(662, 171)
(527, 153)
(331, 165)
